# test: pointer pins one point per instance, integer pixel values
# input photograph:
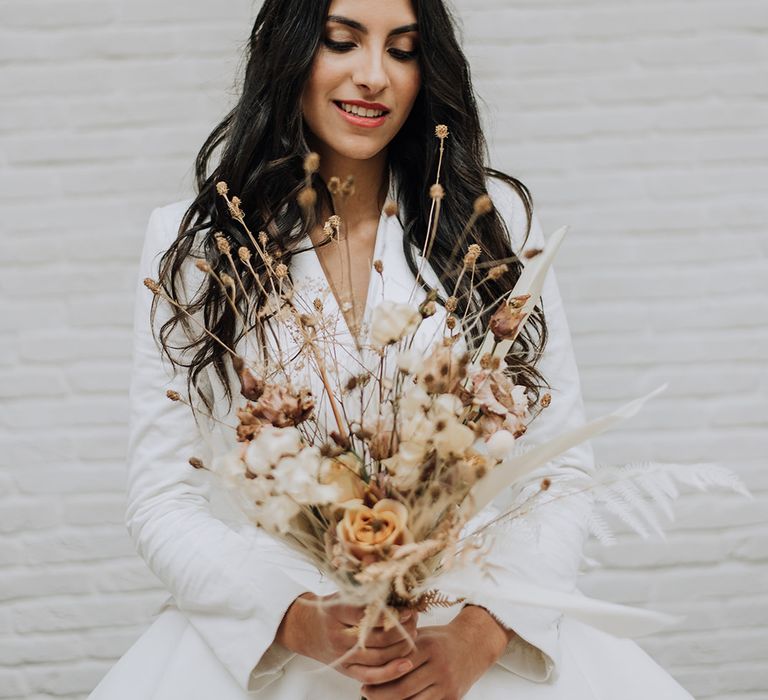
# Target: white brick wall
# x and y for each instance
(642, 125)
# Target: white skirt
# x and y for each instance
(171, 662)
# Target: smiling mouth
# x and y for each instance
(361, 112)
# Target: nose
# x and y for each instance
(370, 72)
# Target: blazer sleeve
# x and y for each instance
(230, 584)
(545, 545)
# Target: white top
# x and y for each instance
(232, 580)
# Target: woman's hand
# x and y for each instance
(324, 631)
(448, 660)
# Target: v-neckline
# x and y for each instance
(359, 340)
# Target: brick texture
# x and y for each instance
(644, 126)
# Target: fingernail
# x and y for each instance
(404, 666)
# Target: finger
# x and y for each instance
(417, 681)
(378, 637)
(380, 657)
(374, 675)
(349, 615)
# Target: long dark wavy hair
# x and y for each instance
(263, 146)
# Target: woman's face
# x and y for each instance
(367, 63)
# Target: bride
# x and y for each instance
(362, 83)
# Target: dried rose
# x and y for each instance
(369, 534)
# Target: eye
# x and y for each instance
(401, 55)
(340, 46)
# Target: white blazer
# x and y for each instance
(233, 581)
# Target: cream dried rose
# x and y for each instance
(368, 533)
(392, 321)
(343, 472)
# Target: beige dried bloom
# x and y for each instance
(263, 238)
(281, 270)
(378, 266)
(307, 198)
(390, 208)
(451, 303)
(244, 254)
(173, 395)
(222, 243)
(234, 208)
(473, 253)
(222, 188)
(483, 205)
(311, 163)
(334, 185)
(348, 188)
(436, 192)
(334, 220)
(495, 272)
(441, 131)
(450, 322)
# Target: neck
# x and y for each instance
(371, 184)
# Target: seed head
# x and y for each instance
(390, 208)
(263, 238)
(307, 198)
(546, 400)
(441, 131)
(222, 243)
(173, 395)
(311, 163)
(222, 188)
(318, 305)
(153, 286)
(196, 462)
(451, 303)
(203, 266)
(473, 253)
(334, 185)
(450, 322)
(532, 253)
(348, 188)
(281, 270)
(244, 254)
(495, 272)
(483, 205)
(436, 192)
(378, 266)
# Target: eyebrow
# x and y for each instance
(360, 27)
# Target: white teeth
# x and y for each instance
(361, 111)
